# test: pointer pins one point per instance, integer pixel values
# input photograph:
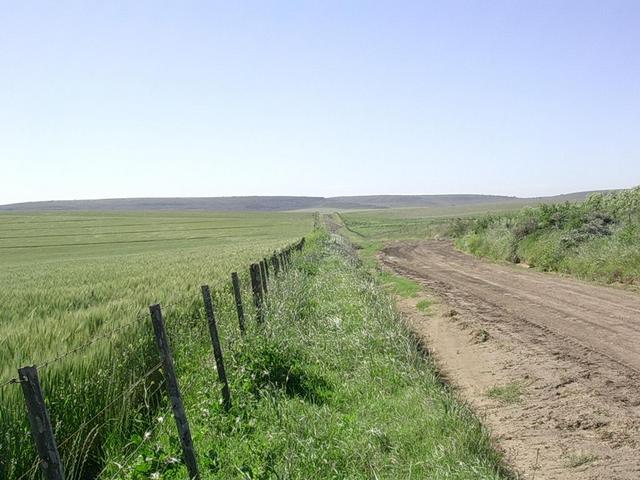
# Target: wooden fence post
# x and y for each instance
(217, 349)
(266, 267)
(275, 263)
(174, 392)
(256, 287)
(263, 277)
(235, 282)
(41, 429)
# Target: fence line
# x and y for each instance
(41, 430)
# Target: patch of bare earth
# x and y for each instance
(551, 364)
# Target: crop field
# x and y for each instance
(68, 280)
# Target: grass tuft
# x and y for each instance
(575, 460)
(424, 305)
(507, 394)
(401, 286)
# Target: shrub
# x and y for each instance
(596, 239)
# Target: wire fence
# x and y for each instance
(49, 460)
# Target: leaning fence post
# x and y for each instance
(217, 349)
(235, 282)
(174, 392)
(41, 429)
(263, 277)
(256, 287)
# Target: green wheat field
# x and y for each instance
(69, 278)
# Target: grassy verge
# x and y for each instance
(330, 386)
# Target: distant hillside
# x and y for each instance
(279, 203)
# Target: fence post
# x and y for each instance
(41, 429)
(235, 282)
(217, 349)
(174, 392)
(263, 277)
(266, 267)
(275, 263)
(256, 287)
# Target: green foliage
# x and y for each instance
(276, 364)
(596, 239)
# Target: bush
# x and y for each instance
(595, 239)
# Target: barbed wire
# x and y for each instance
(86, 345)
(10, 381)
(77, 349)
(139, 316)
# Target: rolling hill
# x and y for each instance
(280, 203)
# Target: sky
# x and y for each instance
(323, 98)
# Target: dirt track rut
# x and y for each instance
(573, 348)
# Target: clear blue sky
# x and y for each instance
(125, 99)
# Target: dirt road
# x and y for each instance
(551, 362)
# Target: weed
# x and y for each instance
(424, 305)
(507, 394)
(481, 336)
(402, 286)
(575, 460)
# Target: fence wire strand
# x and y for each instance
(86, 345)
(129, 390)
